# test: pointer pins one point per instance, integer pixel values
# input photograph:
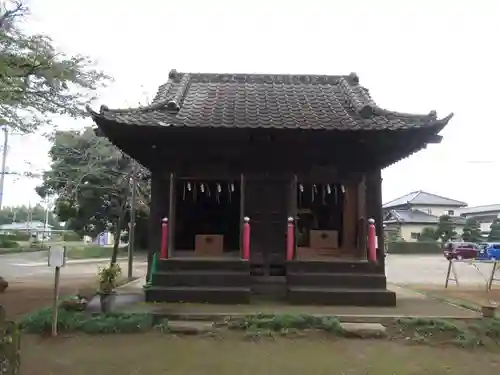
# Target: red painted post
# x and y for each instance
(372, 241)
(290, 237)
(164, 239)
(246, 238)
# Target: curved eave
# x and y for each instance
(145, 117)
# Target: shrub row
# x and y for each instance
(70, 321)
(400, 247)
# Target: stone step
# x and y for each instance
(199, 294)
(201, 278)
(364, 330)
(298, 266)
(207, 264)
(338, 280)
(340, 296)
(184, 327)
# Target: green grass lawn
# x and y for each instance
(92, 251)
(154, 354)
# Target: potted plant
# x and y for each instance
(107, 286)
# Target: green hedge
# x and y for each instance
(8, 243)
(400, 247)
(93, 251)
(71, 237)
(16, 236)
(14, 250)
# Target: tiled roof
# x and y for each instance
(478, 210)
(418, 217)
(423, 198)
(412, 216)
(267, 101)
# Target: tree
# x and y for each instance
(428, 234)
(36, 80)
(472, 231)
(494, 235)
(445, 230)
(22, 213)
(91, 179)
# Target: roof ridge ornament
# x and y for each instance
(354, 78)
(356, 95)
(173, 74)
(174, 103)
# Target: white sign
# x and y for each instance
(57, 256)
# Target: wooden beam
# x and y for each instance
(362, 219)
(171, 215)
(293, 209)
(242, 210)
(349, 216)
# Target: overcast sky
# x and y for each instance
(414, 56)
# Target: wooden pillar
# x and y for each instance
(362, 220)
(242, 210)
(349, 217)
(171, 214)
(159, 208)
(374, 211)
(293, 210)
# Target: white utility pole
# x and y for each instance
(4, 162)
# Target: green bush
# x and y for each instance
(10, 346)
(19, 236)
(6, 242)
(70, 321)
(71, 237)
(92, 251)
(398, 247)
(283, 322)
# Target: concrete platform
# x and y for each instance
(409, 304)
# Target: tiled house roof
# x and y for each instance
(417, 217)
(267, 101)
(422, 198)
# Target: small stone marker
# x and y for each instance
(190, 327)
(364, 330)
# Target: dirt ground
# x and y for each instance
(475, 297)
(156, 354)
(23, 297)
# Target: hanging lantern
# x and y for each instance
(189, 186)
(328, 189)
(202, 188)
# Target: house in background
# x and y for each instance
(408, 215)
(35, 227)
(483, 214)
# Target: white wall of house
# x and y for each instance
(437, 210)
(485, 219)
(411, 232)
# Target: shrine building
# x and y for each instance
(265, 185)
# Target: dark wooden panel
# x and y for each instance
(374, 209)
(266, 203)
(159, 208)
